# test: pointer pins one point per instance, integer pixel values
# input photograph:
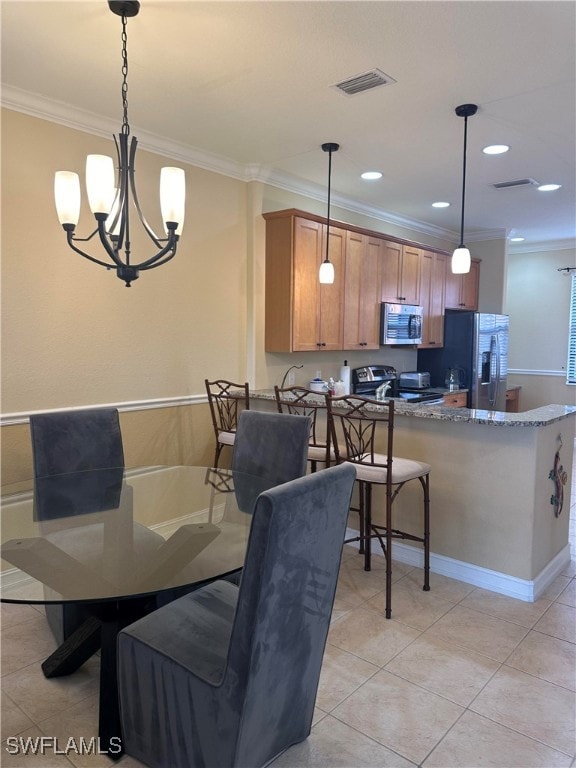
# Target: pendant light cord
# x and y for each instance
(463, 182)
(328, 211)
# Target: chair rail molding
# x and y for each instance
(9, 419)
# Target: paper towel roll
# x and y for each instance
(345, 376)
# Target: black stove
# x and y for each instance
(366, 380)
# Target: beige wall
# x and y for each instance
(538, 302)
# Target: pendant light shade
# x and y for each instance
(461, 256)
(326, 273)
(461, 261)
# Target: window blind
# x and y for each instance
(571, 367)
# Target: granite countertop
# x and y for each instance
(538, 417)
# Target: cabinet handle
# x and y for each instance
(320, 343)
(401, 298)
(462, 304)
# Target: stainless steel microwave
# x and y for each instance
(401, 324)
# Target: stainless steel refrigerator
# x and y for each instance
(476, 344)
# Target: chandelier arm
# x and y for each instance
(131, 168)
(70, 238)
(112, 252)
(159, 263)
(153, 261)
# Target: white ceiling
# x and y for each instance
(246, 87)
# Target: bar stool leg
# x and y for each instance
(367, 526)
(425, 481)
(388, 612)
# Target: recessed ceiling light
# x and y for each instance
(440, 204)
(371, 175)
(517, 239)
(496, 149)
(548, 187)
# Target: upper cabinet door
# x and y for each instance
(362, 291)
(401, 273)
(391, 270)
(331, 317)
(307, 256)
(462, 290)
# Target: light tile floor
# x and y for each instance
(459, 678)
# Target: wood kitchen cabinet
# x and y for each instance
(362, 291)
(455, 399)
(462, 290)
(432, 287)
(400, 273)
(302, 315)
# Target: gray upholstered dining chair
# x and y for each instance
(227, 676)
(72, 441)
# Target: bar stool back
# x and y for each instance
(300, 401)
(226, 400)
(354, 427)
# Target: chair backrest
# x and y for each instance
(284, 607)
(73, 441)
(353, 428)
(271, 445)
(76, 441)
(226, 401)
(303, 402)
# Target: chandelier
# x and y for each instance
(110, 192)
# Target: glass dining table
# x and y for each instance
(119, 543)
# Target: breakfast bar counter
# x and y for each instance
(500, 491)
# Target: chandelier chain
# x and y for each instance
(125, 124)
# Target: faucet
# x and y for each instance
(287, 372)
(382, 390)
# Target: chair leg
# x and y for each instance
(425, 481)
(217, 454)
(367, 526)
(388, 610)
(361, 516)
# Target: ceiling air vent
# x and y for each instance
(516, 183)
(364, 82)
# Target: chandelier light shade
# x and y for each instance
(111, 192)
(326, 273)
(461, 257)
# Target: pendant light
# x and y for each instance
(461, 256)
(326, 273)
(109, 198)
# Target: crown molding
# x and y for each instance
(36, 105)
(566, 244)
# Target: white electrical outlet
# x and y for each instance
(291, 378)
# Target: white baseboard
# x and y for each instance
(502, 583)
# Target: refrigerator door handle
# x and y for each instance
(494, 374)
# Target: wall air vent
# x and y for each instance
(364, 82)
(516, 183)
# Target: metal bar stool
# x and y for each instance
(226, 400)
(353, 423)
(300, 401)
